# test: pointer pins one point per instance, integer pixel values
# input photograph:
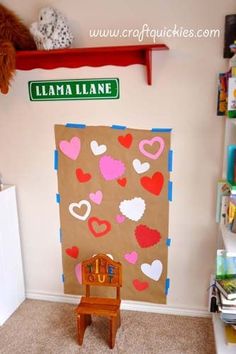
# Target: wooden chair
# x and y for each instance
(100, 270)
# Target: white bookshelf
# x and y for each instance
(221, 346)
(229, 239)
(12, 289)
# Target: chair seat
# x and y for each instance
(98, 306)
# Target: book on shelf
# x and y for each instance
(230, 335)
(231, 97)
(232, 208)
(228, 312)
(231, 153)
(228, 317)
(224, 303)
(222, 94)
(227, 287)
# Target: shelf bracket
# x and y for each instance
(148, 61)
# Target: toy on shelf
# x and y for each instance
(52, 30)
(14, 35)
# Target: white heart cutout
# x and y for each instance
(79, 205)
(140, 167)
(133, 209)
(97, 149)
(153, 270)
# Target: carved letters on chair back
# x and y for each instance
(101, 270)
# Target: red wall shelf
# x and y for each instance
(97, 56)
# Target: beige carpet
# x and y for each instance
(50, 328)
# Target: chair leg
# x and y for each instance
(118, 320)
(82, 322)
(88, 320)
(113, 329)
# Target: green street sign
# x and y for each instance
(81, 89)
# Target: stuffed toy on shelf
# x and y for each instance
(14, 35)
(52, 30)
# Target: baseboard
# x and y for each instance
(125, 305)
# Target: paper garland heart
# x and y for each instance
(131, 257)
(72, 252)
(140, 285)
(150, 142)
(85, 214)
(122, 182)
(147, 237)
(140, 167)
(96, 197)
(120, 218)
(133, 209)
(111, 168)
(153, 270)
(153, 184)
(78, 272)
(70, 148)
(125, 140)
(97, 149)
(82, 176)
(98, 227)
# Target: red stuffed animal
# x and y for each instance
(14, 35)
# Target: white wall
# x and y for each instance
(183, 97)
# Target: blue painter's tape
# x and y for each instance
(74, 125)
(161, 130)
(167, 286)
(168, 241)
(119, 127)
(58, 198)
(63, 278)
(170, 191)
(56, 160)
(170, 160)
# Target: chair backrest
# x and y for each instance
(101, 270)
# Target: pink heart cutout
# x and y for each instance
(131, 257)
(111, 168)
(96, 197)
(70, 148)
(78, 272)
(120, 218)
(150, 143)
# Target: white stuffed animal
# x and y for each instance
(51, 31)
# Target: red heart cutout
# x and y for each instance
(140, 285)
(125, 140)
(72, 252)
(82, 176)
(147, 237)
(102, 226)
(122, 182)
(153, 184)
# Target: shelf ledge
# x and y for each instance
(95, 57)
